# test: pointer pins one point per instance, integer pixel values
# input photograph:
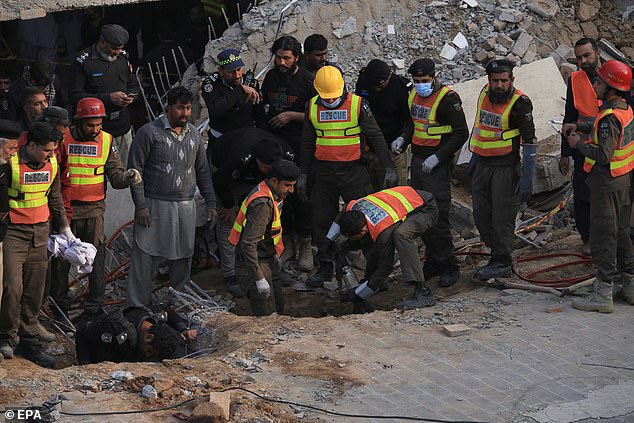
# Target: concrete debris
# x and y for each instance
(629, 11)
(504, 40)
(589, 29)
(460, 41)
(531, 55)
(218, 409)
(564, 54)
(483, 56)
(448, 52)
(149, 392)
(544, 8)
(90, 385)
(471, 3)
(489, 44)
(347, 28)
(193, 379)
(499, 26)
(121, 375)
(399, 63)
(587, 9)
(459, 329)
(391, 30)
(521, 45)
(438, 3)
(510, 15)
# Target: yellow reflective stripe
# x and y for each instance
(238, 227)
(81, 170)
(432, 114)
(624, 152)
(83, 160)
(25, 204)
(385, 206)
(15, 173)
(337, 141)
(507, 111)
(408, 206)
(490, 144)
(510, 134)
(92, 180)
(439, 130)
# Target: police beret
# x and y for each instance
(499, 66)
(268, 151)
(376, 72)
(422, 67)
(115, 34)
(9, 130)
(230, 59)
(56, 116)
(285, 170)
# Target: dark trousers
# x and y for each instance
(297, 217)
(88, 230)
(349, 181)
(610, 233)
(261, 305)
(438, 239)
(495, 207)
(581, 198)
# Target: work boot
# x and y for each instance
(305, 261)
(324, 274)
(43, 334)
(628, 287)
(600, 300)
(449, 277)
(432, 269)
(6, 350)
(233, 286)
(494, 269)
(423, 297)
(286, 279)
(36, 355)
(358, 297)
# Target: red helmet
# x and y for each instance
(90, 107)
(616, 74)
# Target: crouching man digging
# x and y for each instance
(388, 219)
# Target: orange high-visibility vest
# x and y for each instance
(86, 165)
(28, 194)
(427, 130)
(262, 190)
(492, 134)
(622, 161)
(338, 131)
(585, 99)
(385, 208)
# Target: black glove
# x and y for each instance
(391, 178)
(525, 185)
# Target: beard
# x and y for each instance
(109, 58)
(287, 72)
(500, 97)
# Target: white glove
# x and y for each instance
(263, 287)
(430, 163)
(397, 145)
(68, 234)
(134, 176)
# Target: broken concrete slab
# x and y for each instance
(589, 29)
(218, 409)
(489, 44)
(399, 63)
(459, 329)
(504, 40)
(460, 41)
(521, 45)
(510, 15)
(470, 3)
(448, 52)
(483, 56)
(348, 27)
(544, 8)
(499, 26)
(587, 9)
(530, 55)
(564, 53)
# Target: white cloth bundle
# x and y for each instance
(77, 253)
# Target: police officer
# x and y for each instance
(392, 218)
(34, 196)
(608, 162)
(230, 102)
(386, 93)
(336, 129)
(152, 333)
(504, 122)
(242, 159)
(91, 159)
(104, 72)
(257, 233)
(581, 106)
(437, 129)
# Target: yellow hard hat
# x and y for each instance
(329, 82)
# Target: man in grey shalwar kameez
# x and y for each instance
(171, 157)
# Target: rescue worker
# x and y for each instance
(34, 195)
(230, 102)
(337, 127)
(315, 54)
(437, 129)
(609, 160)
(387, 94)
(393, 218)
(91, 158)
(151, 333)
(257, 232)
(581, 106)
(286, 90)
(503, 123)
(242, 159)
(103, 71)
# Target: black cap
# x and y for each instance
(115, 34)
(377, 71)
(230, 59)
(499, 66)
(422, 67)
(285, 170)
(56, 116)
(268, 151)
(9, 130)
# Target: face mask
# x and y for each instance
(423, 89)
(332, 105)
